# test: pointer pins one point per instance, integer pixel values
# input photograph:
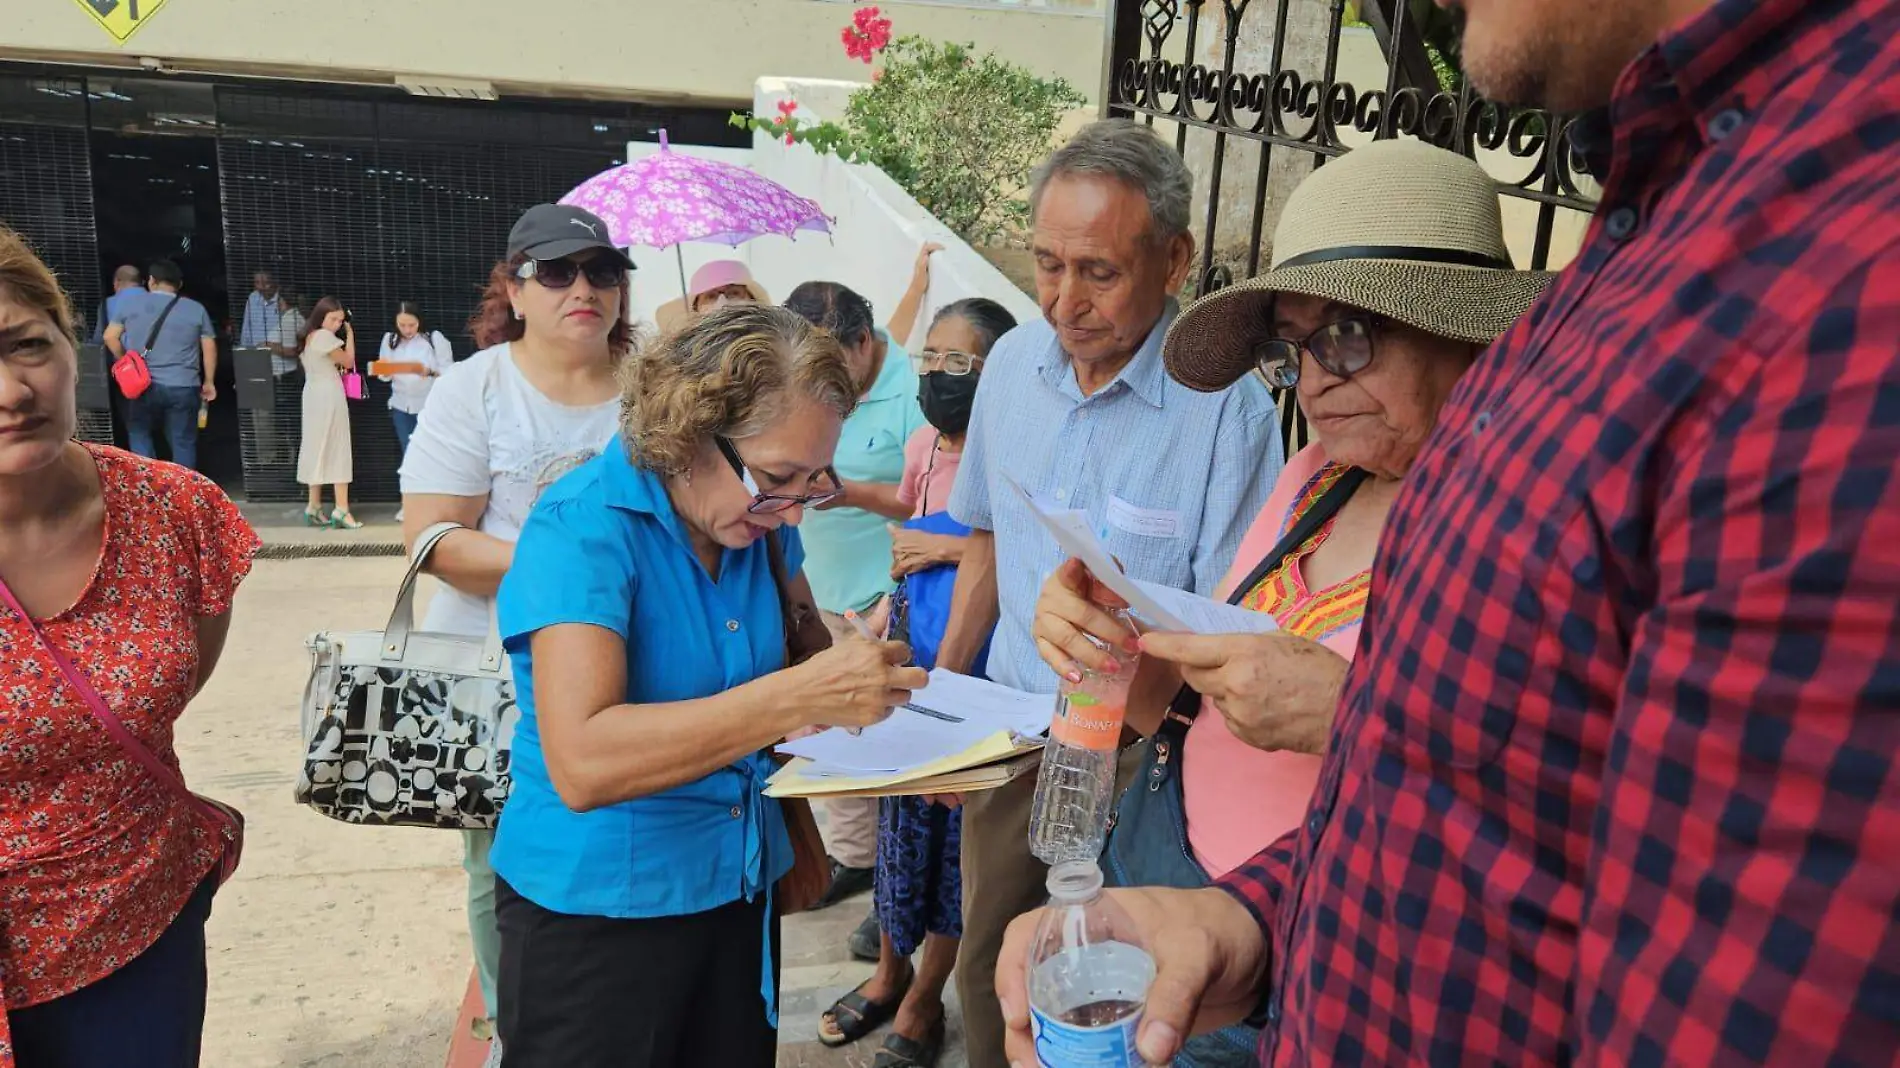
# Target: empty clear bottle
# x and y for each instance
(1075, 790)
(1088, 976)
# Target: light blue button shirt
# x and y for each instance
(604, 547)
(1171, 478)
(848, 550)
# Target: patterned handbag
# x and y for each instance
(405, 728)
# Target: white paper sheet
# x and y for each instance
(1160, 607)
(904, 741)
(951, 714)
(995, 706)
(1203, 616)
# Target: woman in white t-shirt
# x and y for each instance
(408, 390)
(536, 402)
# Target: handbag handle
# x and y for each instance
(170, 778)
(402, 618)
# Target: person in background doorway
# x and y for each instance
(539, 400)
(262, 309)
(408, 343)
(174, 334)
(1079, 410)
(128, 568)
(324, 455)
(919, 892)
(126, 279)
(714, 285)
(847, 542)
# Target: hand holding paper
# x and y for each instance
(1161, 607)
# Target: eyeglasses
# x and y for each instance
(1343, 348)
(773, 503)
(950, 362)
(602, 273)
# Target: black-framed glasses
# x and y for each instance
(771, 503)
(602, 272)
(1343, 348)
(949, 361)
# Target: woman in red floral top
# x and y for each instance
(129, 565)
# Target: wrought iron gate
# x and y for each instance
(1225, 78)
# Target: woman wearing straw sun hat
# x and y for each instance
(1389, 276)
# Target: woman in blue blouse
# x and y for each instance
(638, 854)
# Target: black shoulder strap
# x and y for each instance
(1187, 703)
(152, 339)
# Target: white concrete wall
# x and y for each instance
(876, 229)
(692, 50)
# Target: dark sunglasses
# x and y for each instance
(602, 273)
(773, 503)
(1343, 348)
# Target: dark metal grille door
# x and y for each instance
(403, 215)
(1255, 93)
(46, 197)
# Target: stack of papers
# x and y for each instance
(958, 734)
(1161, 607)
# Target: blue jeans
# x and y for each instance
(151, 1012)
(176, 407)
(405, 426)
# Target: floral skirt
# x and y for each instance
(919, 871)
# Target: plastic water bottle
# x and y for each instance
(1075, 790)
(1088, 976)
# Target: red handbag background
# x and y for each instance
(130, 370)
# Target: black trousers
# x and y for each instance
(150, 1013)
(672, 992)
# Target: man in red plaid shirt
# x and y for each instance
(1613, 778)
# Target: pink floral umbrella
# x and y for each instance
(669, 198)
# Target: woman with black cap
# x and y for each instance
(537, 401)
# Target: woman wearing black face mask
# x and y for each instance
(919, 880)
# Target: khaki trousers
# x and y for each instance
(850, 823)
(1001, 881)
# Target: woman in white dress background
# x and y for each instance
(323, 452)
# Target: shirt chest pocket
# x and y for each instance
(1154, 539)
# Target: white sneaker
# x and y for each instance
(398, 515)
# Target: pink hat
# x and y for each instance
(721, 273)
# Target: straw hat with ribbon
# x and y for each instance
(1398, 228)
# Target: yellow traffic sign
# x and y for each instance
(121, 18)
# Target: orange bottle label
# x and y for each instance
(1089, 722)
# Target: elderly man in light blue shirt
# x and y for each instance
(1078, 410)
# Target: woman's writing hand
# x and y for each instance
(853, 683)
(1275, 691)
(1069, 612)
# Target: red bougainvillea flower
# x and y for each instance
(868, 34)
(786, 109)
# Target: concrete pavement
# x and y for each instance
(344, 947)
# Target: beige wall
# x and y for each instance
(710, 50)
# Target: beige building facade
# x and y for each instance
(660, 51)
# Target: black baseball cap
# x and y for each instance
(556, 231)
